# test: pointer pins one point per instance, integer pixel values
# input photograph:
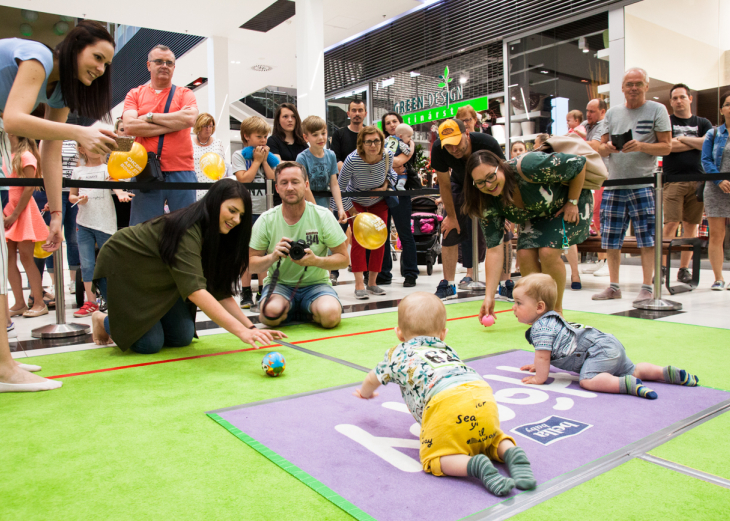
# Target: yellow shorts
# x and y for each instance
(460, 420)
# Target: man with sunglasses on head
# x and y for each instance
(145, 117)
(449, 155)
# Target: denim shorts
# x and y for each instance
(301, 308)
(606, 355)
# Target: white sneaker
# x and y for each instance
(602, 272)
(592, 268)
(460, 269)
(72, 287)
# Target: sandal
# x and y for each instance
(32, 313)
(18, 312)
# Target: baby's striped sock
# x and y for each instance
(480, 467)
(674, 375)
(631, 385)
(519, 468)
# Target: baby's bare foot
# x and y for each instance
(101, 337)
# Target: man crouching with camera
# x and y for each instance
(290, 241)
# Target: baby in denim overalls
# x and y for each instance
(598, 357)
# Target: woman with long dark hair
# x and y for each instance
(74, 77)
(287, 140)
(154, 275)
(544, 194)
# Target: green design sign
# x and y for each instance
(436, 113)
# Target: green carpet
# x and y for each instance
(639, 491)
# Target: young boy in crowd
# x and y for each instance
(254, 132)
(598, 357)
(321, 166)
(574, 118)
(454, 405)
(404, 133)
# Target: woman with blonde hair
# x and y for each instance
(204, 142)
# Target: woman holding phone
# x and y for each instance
(71, 78)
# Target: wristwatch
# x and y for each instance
(149, 117)
(573, 201)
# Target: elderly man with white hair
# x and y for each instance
(651, 136)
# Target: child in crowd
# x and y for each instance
(517, 149)
(440, 391)
(96, 220)
(575, 123)
(404, 134)
(321, 166)
(24, 227)
(257, 169)
(598, 357)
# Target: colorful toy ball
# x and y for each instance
(273, 364)
(488, 320)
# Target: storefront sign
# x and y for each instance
(426, 116)
(433, 99)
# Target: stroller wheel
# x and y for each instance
(429, 267)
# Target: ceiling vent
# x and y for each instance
(278, 12)
(262, 68)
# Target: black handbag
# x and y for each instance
(153, 170)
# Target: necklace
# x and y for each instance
(204, 144)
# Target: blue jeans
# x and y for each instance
(68, 218)
(148, 205)
(301, 308)
(401, 216)
(88, 239)
(175, 329)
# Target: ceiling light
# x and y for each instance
(414, 74)
(388, 82)
(584, 81)
(656, 97)
(544, 72)
(463, 80)
(26, 30)
(585, 50)
(261, 68)
(31, 16)
(60, 28)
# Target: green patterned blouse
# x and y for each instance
(543, 197)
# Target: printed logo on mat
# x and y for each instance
(551, 429)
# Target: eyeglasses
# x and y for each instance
(638, 85)
(481, 183)
(208, 126)
(164, 62)
(372, 143)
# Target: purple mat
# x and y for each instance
(367, 451)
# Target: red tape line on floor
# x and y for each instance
(237, 350)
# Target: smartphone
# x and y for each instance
(124, 143)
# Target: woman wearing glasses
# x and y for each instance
(204, 142)
(716, 158)
(368, 168)
(544, 194)
(71, 78)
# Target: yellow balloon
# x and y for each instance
(125, 165)
(39, 252)
(213, 166)
(370, 231)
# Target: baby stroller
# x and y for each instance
(426, 228)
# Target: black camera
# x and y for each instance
(296, 249)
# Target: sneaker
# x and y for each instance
(246, 298)
(464, 283)
(361, 294)
(86, 310)
(504, 291)
(333, 279)
(607, 294)
(375, 290)
(72, 287)
(602, 271)
(684, 275)
(446, 291)
(643, 295)
(410, 282)
(11, 327)
(718, 285)
(382, 281)
(592, 268)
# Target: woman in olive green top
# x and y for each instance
(544, 194)
(154, 275)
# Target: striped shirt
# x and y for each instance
(359, 176)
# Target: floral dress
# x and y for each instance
(543, 197)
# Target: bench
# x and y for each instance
(669, 246)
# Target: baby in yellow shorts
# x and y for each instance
(460, 432)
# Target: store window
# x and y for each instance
(552, 73)
(337, 108)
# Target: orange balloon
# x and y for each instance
(370, 231)
(39, 252)
(213, 166)
(125, 165)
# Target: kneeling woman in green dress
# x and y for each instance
(154, 275)
(544, 194)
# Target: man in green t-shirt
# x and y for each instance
(271, 239)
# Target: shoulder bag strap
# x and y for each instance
(161, 141)
(518, 167)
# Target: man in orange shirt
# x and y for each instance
(145, 119)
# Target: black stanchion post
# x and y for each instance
(60, 329)
(475, 285)
(657, 303)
